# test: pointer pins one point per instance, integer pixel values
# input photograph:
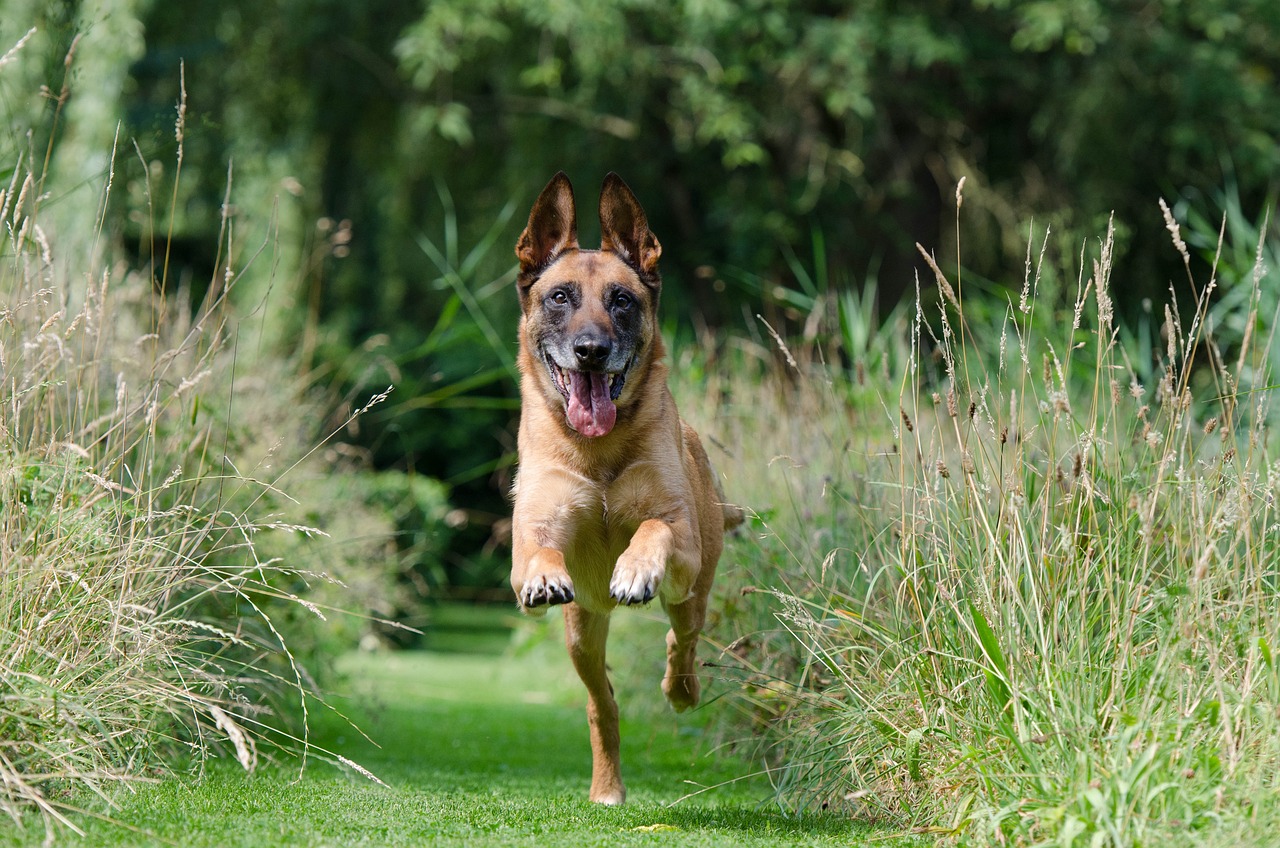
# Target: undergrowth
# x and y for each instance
(1013, 592)
(154, 604)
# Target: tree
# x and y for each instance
(756, 121)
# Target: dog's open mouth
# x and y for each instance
(589, 397)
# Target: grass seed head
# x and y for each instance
(1171, 224)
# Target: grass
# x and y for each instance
(1022, 588)
(477, 748)
(1010, 576)
(120, 534)
(151, 608)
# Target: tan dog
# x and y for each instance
(615, 501)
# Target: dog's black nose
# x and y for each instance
(592, 351)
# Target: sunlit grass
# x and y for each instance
(1011, 592)
(144, 605)
(460, 739)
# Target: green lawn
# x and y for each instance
(478, 748)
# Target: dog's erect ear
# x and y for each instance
(624, 229)
(552, 228)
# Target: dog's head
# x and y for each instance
(589, 316)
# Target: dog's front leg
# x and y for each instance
(548, 507)
(660, 550)
(538, 573)
(540, 579)
(542, 526)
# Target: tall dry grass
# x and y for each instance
(1014, 593)
(148, 605)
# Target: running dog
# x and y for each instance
(615, 499)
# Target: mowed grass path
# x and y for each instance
(477, 748)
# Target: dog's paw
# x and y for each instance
(636, 579)
(610, 796)
(683, 691)
(546, 589)
(680, 683)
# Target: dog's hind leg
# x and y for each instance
(586, 634)
(680, 684)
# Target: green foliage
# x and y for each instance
(140, 620)
(745, 129)
(1245, 252)
(841, 323)
(457, 377)
(1025, 598)
(156, 607)
(771, 114)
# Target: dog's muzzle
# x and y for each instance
(589, 396)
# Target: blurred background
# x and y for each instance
(367, 167)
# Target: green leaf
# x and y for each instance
(987, 638)
(1209, 712)
(887, 730)
(998, 676)
(914, 738)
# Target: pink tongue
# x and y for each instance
(591, 411)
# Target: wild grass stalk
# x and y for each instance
(1019, 595)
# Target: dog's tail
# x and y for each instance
(733, 514)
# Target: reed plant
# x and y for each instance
(1016, 593)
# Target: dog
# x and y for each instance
(615, 501)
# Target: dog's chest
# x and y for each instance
(602, 531)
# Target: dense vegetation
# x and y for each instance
(1006, 585)
(1011, 566)
(388, 146)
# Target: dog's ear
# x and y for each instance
(624, 229)
(552, 229)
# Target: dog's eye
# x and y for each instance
(559, 297)
(622, 301)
